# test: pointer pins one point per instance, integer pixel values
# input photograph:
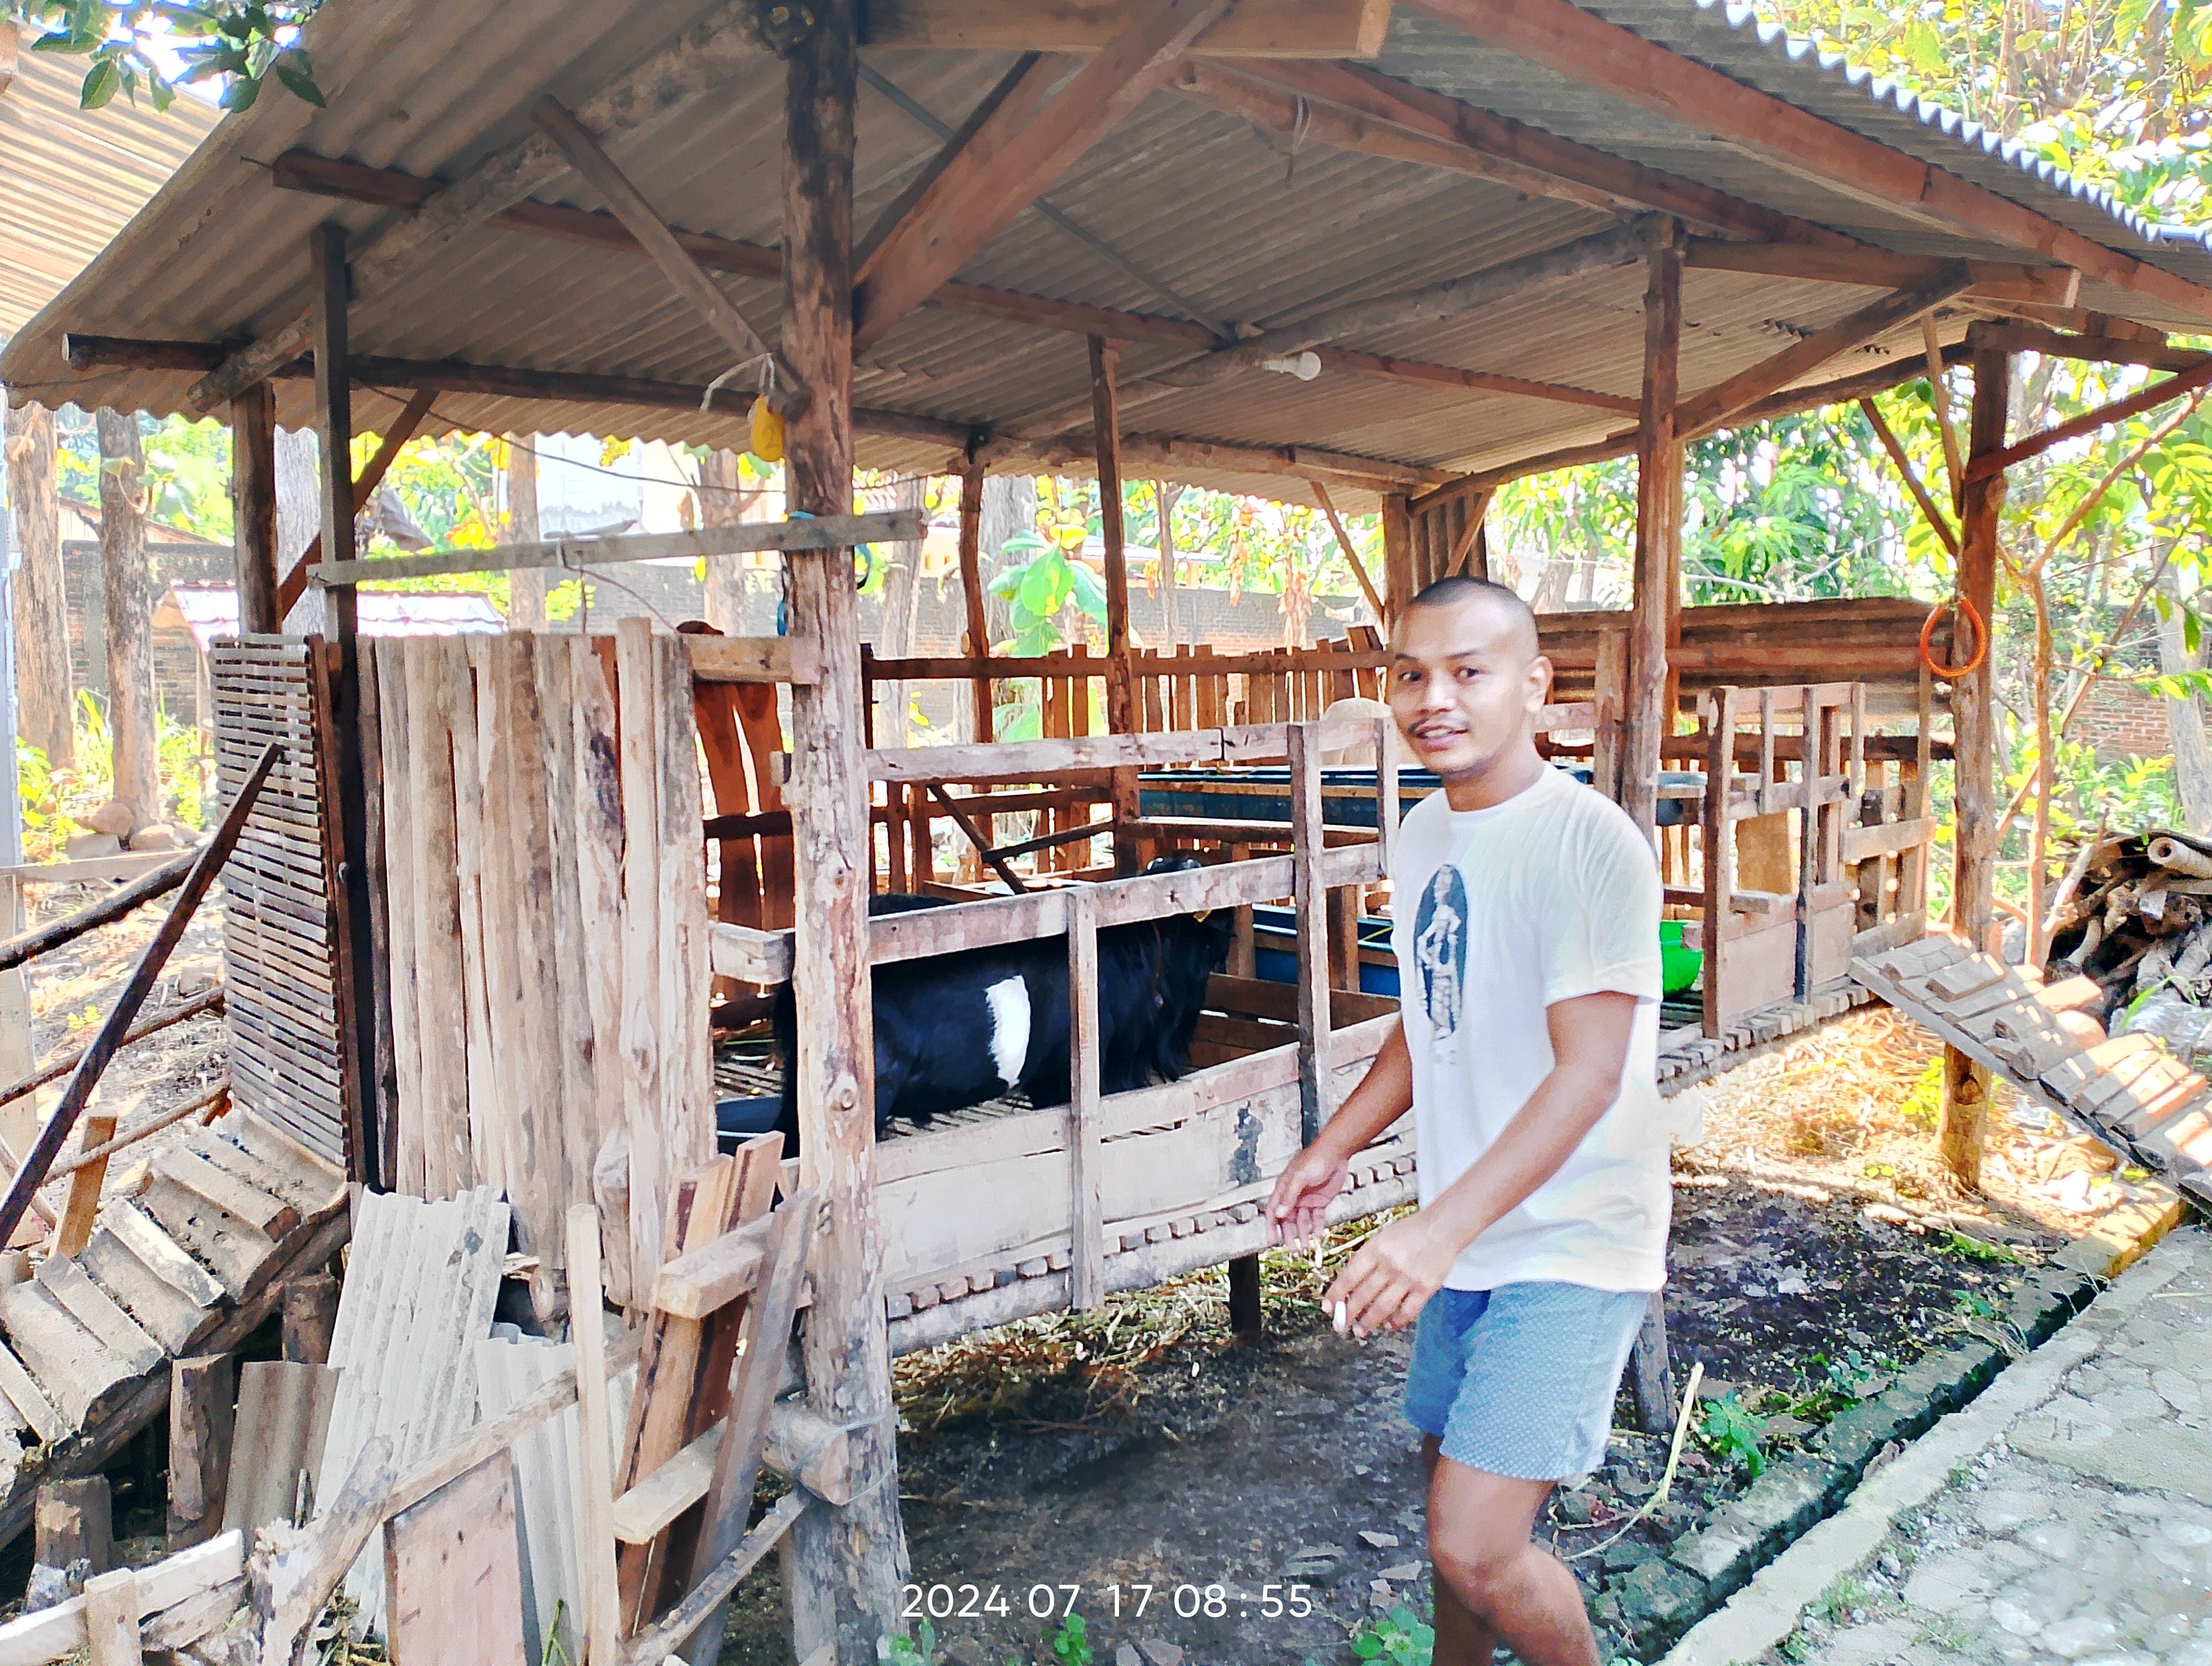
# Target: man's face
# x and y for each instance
(1464, 683)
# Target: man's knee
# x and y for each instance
(1483, 1574)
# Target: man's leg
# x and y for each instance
(1493, 1585)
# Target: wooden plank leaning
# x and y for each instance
(736, 1466)
(58, 1127)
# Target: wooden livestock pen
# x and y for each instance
(1496, 219)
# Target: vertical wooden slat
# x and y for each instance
(1719, 846)
(1307, 896)
(485, 1163)
(686, 1114)
(553, 668)
(651, 1168)
(436, 932)
(978, 635)
(598, 842)
(595, 1530)
(1088, 1208)
(401, 884)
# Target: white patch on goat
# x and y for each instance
(1010, 1027)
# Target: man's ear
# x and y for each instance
(1539, 681)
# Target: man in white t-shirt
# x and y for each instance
(1527, 934)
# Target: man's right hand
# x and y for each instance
(1303, 1192)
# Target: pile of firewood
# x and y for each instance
(2135, 913)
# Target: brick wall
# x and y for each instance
(2120, 720)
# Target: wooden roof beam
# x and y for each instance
(1716, 406)
(1574, 172)
(1169, 453)
(1257, 29)
(498, 381)
(708, 55)
(677, 263)
(2118, 410)
(2047, 286)
(1586, 48)
(1017, 160)
(1622, 442)
(2096, 347)
(1415, 372)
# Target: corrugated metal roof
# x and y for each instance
(70, 179)
(210, 610)
(1200, 200)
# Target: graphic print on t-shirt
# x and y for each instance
(1440, 949)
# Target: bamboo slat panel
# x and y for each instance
(288, 1058)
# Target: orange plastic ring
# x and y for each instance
(1966, 611)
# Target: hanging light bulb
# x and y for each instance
(1304, 366)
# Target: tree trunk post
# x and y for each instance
(526, 595)
(45, 704)
(1120, 669)
(1398, 585)
(333, 357)
(847, 1563)
(1165, 495)
(901, 594)
(971, 590)
(1973, 894)
(1658, 598)
(130, 616)
(253, 508)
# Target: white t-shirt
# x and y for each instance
(1500, 913)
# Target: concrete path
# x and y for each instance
(2064, 1517)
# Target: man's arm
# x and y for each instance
(1395, 1272)
(1315, 1176)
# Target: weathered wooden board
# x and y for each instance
(283, 1427)
(452, 1566)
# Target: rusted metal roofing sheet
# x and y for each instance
(70, 179)
(1212, 208)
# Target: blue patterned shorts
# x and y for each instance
(1519, 1381)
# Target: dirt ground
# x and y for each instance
(72, 989)
(1144, 1447)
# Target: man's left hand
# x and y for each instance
(1389, 1279)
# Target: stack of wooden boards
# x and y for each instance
(192, 1263)
(2128, 1091)
(544, 893)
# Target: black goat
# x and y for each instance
(956, 1029)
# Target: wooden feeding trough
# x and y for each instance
(1481, 298)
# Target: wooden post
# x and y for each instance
(356, 954)
(254, 507)
(203, 1397)
(110, 1619)
(73, 1521)
(1973, 906)
(42, 602)
(1088, 1215)
(596, 1581)
(1398, 587)
(1306, 897)
(1245, 1316)
(1719, 835)
(1658, 535)
(1121, 714)
(971, 587)
(846, 1562)
(128, 593)
(310, 1314)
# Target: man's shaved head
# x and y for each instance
(1461, 590)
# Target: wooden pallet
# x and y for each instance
(2128, 1092)
(192, 1264)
